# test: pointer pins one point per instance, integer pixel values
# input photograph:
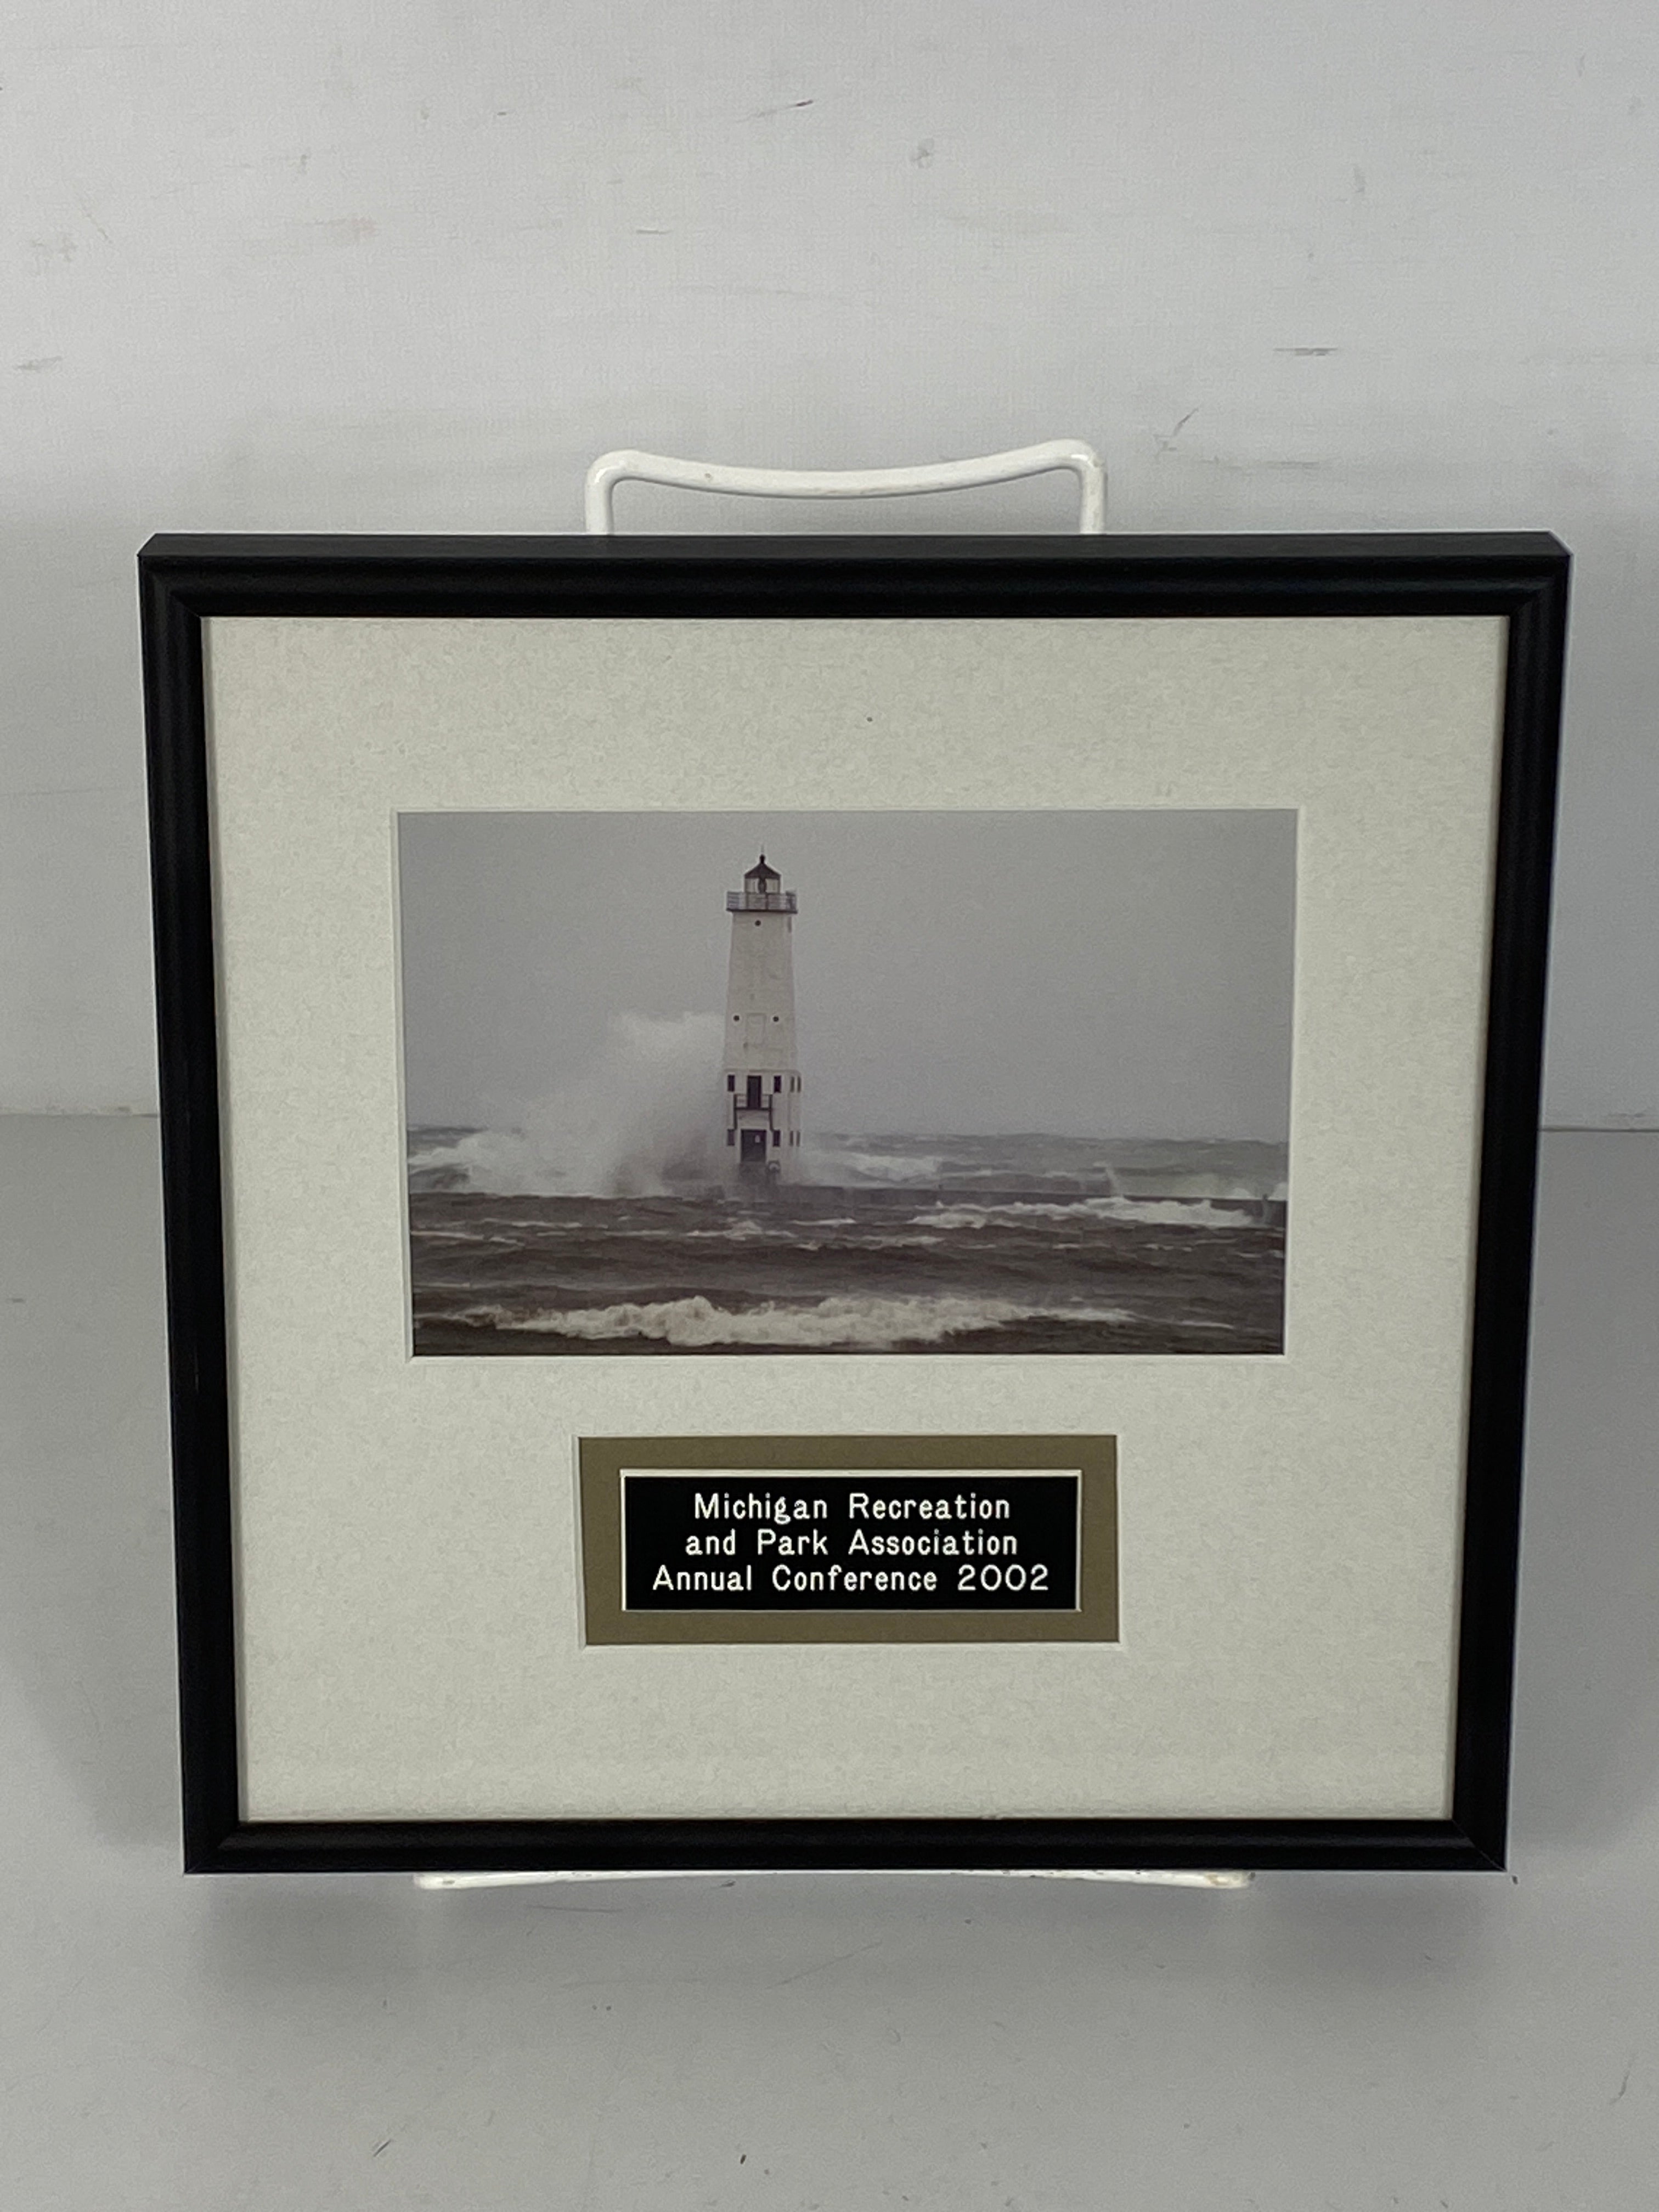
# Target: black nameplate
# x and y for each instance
(781, 1541)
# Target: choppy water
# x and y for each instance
(906, 1244)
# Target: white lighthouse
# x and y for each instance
(761, 1077)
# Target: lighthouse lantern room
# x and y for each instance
(762, 1097)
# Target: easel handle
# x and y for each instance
(612, 469)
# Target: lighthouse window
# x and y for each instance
(731, 1082)
(777, 1139)
(777, 1083)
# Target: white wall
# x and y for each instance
(352, 266)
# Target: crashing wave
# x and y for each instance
(871, 1323)
(638, 1122)
(1166, 1212)
(844, 1163)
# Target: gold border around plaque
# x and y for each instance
(601, 1461)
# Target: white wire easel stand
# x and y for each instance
(626, 465)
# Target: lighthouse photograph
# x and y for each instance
(856, 1083)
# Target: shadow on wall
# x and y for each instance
(85, 1569)
(1587, 1740)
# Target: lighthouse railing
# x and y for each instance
(760, 903)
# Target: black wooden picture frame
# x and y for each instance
(185, 580)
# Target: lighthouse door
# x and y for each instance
(753, 1151)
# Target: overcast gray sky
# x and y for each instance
(1087, 974)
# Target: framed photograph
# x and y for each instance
(849, 1202)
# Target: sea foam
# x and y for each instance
(870, 1323)
(1162, 1213)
